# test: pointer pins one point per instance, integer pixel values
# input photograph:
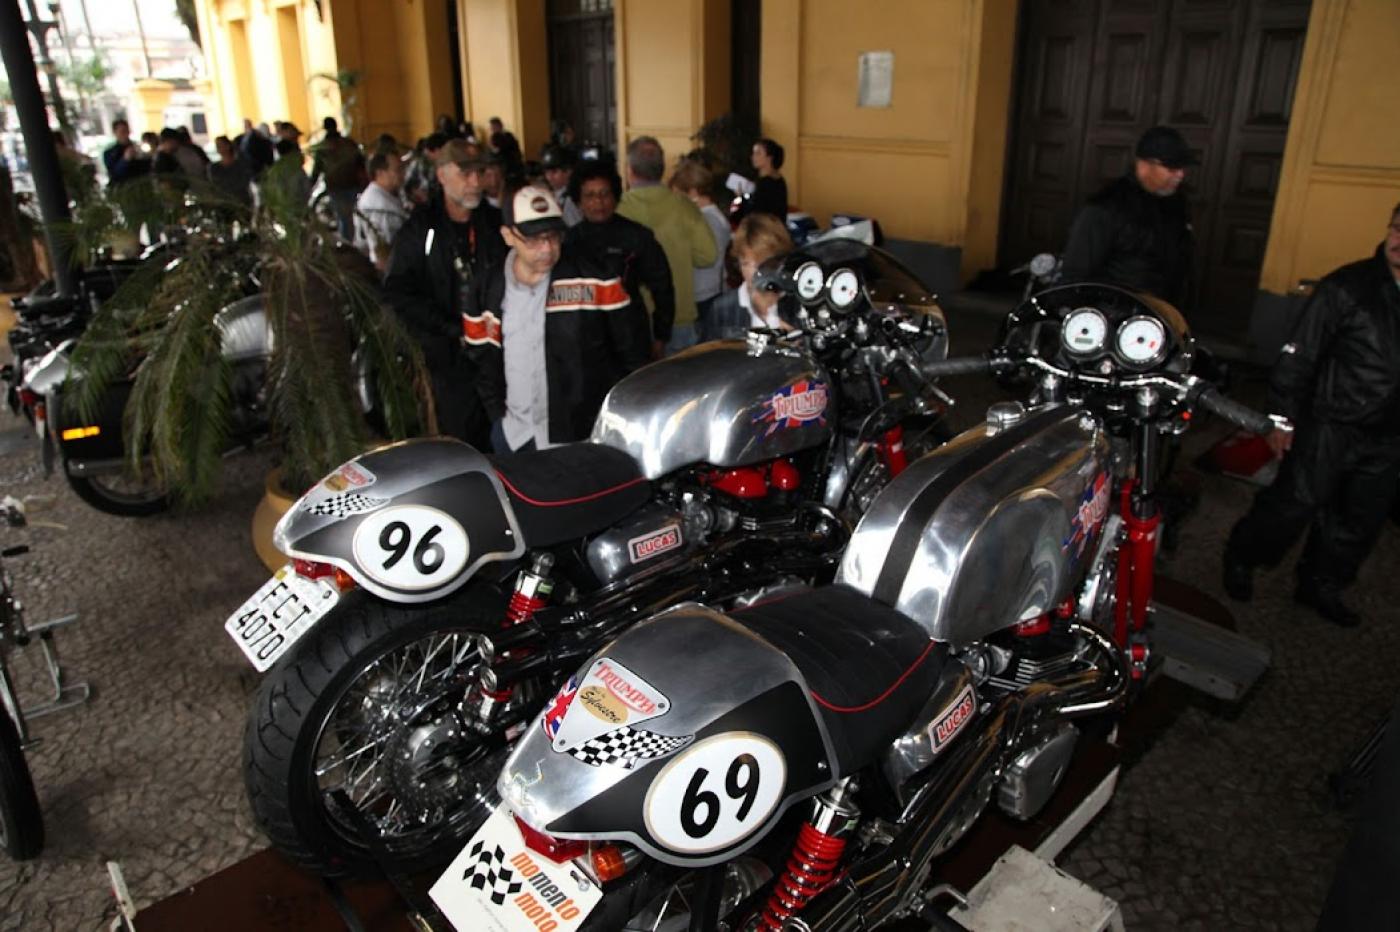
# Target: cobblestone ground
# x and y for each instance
(1223, 824)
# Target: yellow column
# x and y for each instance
(505, 67)
(780, 77)
(149, 98)
(672, 69)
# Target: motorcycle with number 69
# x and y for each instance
(802, 762)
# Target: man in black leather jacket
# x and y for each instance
(1338, 379)
(621, 246)
(438, 254)
(549, 331)
(1136, 232)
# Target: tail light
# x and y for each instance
(310, 569)
(28, 397)
(558, 850)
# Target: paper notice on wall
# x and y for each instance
(876, 79)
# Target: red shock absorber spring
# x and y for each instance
(532, 591)
(816, 855)
(810, 870)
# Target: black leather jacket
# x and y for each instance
(1342, 362)
(630, 251)
(420, 281)
(1126, 236)
(594, 334)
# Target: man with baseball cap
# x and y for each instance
(1136, 232)
(549, 331)
(439, 254)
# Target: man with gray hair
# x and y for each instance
(681, 230)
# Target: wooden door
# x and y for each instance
(581, 68)
(1094, 74)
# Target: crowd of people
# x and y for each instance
(530, 286)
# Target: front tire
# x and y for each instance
(346, 705)
(21, 822)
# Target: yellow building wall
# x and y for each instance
(1341, 166)
(505, 67)
(672, 69)
(929, 166)
(266, 59)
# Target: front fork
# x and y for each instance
(533, 588)
(1136, 562)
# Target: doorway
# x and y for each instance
(581, 69)
(1094, 74)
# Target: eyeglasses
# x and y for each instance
(541, 240)
(601, 194)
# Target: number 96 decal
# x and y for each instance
(715, 793)
(410, 547)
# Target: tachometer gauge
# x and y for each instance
(1141, 341)
(809, 280)
(843, 289)
(1085, 331)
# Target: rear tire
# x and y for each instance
(329, 678)
(106, 494)
(21, 821)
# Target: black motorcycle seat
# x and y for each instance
(567, 492)
(869, 668)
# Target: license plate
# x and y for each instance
(498, 884)
(278, 614)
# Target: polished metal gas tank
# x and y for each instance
(992, 528)
(719, 403)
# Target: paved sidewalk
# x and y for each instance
(1224, 823)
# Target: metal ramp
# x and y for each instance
(1205, 655)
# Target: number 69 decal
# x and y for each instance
(410, 547)
(715, 793)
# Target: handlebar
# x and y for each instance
(1240, 415)
(957, 365)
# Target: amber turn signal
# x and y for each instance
(608, 862)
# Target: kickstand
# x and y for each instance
(420, 913)
(65, 695)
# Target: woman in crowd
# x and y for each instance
(760, 237)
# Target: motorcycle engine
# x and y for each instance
(653, 532)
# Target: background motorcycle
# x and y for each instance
(717, 474)
(994, 594)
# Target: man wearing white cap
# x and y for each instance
(549, 332)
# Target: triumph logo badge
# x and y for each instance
(794, 406)
(654, 544)
(554, 714)
(607, 698)
(951, 722)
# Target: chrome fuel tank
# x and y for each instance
(718, 403)
(993, 528)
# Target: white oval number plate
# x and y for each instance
(410, 547)
(715, 793)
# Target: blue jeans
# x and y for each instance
(500, 445)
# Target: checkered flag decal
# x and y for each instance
(346, 504)
(626, 746)
(490, 874)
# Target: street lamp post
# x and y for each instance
(34, 121)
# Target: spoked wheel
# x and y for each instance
(121, 494)
(21, 822)
(371, 703)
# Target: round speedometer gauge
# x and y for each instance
(1084, 332)
(843, 289)
(1141, 341)
(809, 279)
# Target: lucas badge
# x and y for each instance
(947, 726)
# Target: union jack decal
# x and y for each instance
(798, 404)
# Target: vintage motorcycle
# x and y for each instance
(800, 762)
(716, 474)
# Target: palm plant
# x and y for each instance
(163, 329)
